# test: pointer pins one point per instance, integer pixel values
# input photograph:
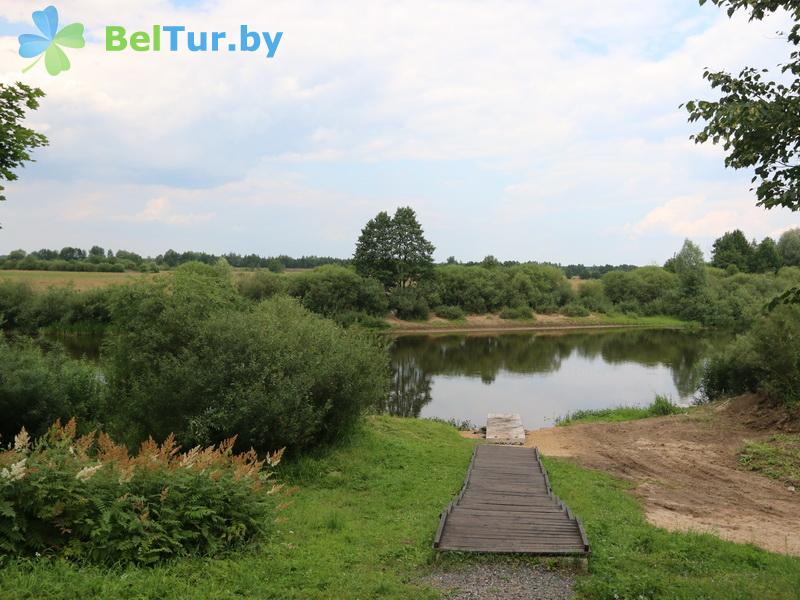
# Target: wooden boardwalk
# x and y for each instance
(507, 506)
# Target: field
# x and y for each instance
(41, 280)
(362, 517)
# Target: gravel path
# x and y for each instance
(502, 582)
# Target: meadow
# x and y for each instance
(359, 522)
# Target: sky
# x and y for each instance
(527, 129)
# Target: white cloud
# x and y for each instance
(555, 111)
(160, 209)
(698, 216)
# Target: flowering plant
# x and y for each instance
(87, 497)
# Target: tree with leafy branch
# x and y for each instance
(756, 119)
(690, 267)
(732, 249)
(16, 140)
(394, 250)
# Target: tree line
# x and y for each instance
(99, 259)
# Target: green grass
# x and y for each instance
(631, 559)
(360, 526)
(778, 457)
(660, 407)
(632, 320)
(361, 523)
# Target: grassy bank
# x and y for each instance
(777, 457)
(660, 407)
(360, 525)
(361, 521)
(632, 559)
(492, 322)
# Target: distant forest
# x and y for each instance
(102, 260)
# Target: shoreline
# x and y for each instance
(523, 328)
(545, 323)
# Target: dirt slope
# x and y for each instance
(685, 468)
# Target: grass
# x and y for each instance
(632, 559)
(361, 523)
(41, 280)
(660, 407)
(778, 457)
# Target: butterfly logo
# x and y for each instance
(51, 41)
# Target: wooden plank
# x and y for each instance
(504, 429)
(506, 505)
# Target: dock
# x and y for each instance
(507, 506)
(504, 429)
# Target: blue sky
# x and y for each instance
(531, 130)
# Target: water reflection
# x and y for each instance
(543, 375)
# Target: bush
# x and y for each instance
(332, 289)
(451, 313)
(765, 360)
(15, 297)
(355, 318)
(575, 310)
(38, 388)
(85, 498)
(49, 308)
(261, 285)
(592, 296)
(518, 312)
(187, 359)
(663, 406)
(409, 304)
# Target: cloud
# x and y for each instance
(528, 129)
(160, 209)
(698, 216)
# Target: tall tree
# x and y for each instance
(732, 249)
(394, 249)
(16, 141)
(766, 257)
(374, 255)
(690, 268)
(414, 253)
(789, 247)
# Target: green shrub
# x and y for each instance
(261, 285)
(38, 388)
(592, 296)
(188, 359)
(85, 498)
(663, 406)
(518, 312)
(451, 313)
(49, 307)
(765, 360)
(409, 304)
(15, 298)
(575, 310)
(354, 318)
(333, 289)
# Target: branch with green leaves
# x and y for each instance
(16, 140)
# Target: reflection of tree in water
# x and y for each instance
(410, 389)
(417, 358)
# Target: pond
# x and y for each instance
(543, 376)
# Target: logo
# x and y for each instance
(51, 41)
